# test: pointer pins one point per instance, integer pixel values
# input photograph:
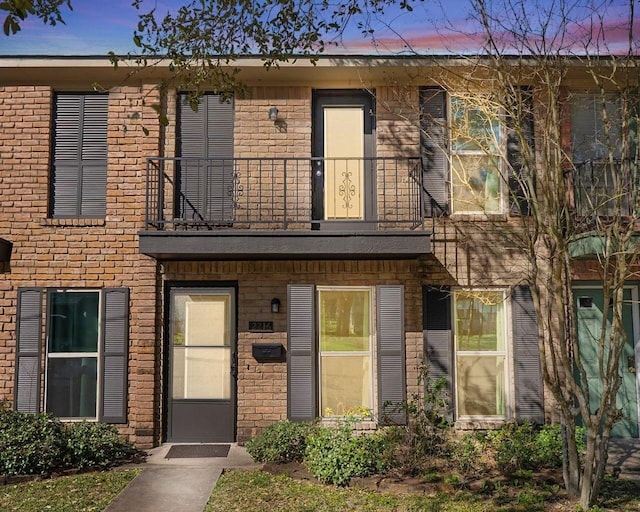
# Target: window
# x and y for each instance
(593, 138)
(476, 181)
(85, 370)
(72, 353)
(345, 352)
(79, 175)
(480, 354)
(333, 367)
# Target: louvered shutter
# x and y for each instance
(79, 180)
(438, 337)
(115, 335)
(301, 354)
(433, 144)
(28, 348)
(519, 194)
(206, 187)
(528, 375)
(391, 353)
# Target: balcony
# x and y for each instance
(283, 208)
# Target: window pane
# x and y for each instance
(480, 382)
(346, 384)
(201, 372)
(476, 183)
(344, 320)
(72, 387)
(201, 320)
(73, 318)
(588, 130)
(479, 321)
(474, 128)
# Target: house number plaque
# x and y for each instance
(258, 326)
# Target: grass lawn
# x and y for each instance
(78, 493)
(255, 491)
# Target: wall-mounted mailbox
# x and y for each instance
(267, 352)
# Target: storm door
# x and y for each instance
(202, 357)
(343, 170)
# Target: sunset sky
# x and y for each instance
(97, 27)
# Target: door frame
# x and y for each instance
(635, 316)
(169, 287)
(343, 97)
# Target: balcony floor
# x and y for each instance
(283, 245)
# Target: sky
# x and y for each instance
(96, 27)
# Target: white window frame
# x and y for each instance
(505, 353)
(455, 154)
(372, 345)
(74, 355)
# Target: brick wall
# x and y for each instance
(91, 253)
(262, 387)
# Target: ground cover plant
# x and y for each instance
(88, 492)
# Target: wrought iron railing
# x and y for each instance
(283, 193)
(604, 188)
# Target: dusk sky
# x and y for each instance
(97, 27)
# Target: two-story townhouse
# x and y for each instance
(296, 252)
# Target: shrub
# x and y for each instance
(337, 454)
(466, 452)
(515, 447)
(30, 444)
(285, 441)
(548, 442)
(426, 432)
(95, 445)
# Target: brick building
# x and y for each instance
(282, 254)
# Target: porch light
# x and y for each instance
(275, 306)
(273, 116)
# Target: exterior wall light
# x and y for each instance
(273, 114)
(275, 306)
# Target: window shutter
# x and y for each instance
(79, 183)
(115, 335)
(29, 342)
(433, 144)
(301, 354)
(438, 338)
(518, 193)
(206, 187)
(391, 353)
(93, 201)
(528, 375)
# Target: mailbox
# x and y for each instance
(268, 352)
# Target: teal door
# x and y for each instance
(590, 310)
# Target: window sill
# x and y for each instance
(480, 424)
(363, 425)
(479, 217)
(79, 223)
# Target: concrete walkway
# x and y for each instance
(176, 484)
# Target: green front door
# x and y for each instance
(590, 310)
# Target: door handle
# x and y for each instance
(631, 364)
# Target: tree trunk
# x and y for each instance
(571, 460)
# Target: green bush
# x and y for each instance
(30, 444)
(466, 452)
(337, 454)
(285, 441)
(33, 444)
(95, 445)
(548, 443)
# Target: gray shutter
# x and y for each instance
(433, 144)
(28, 347)
(94, 156)
(392, 386)
(518, 193)
(302, 394)
(438, 337)
(528, 375)
(115, 335)
(79, 182)
(206, 186)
